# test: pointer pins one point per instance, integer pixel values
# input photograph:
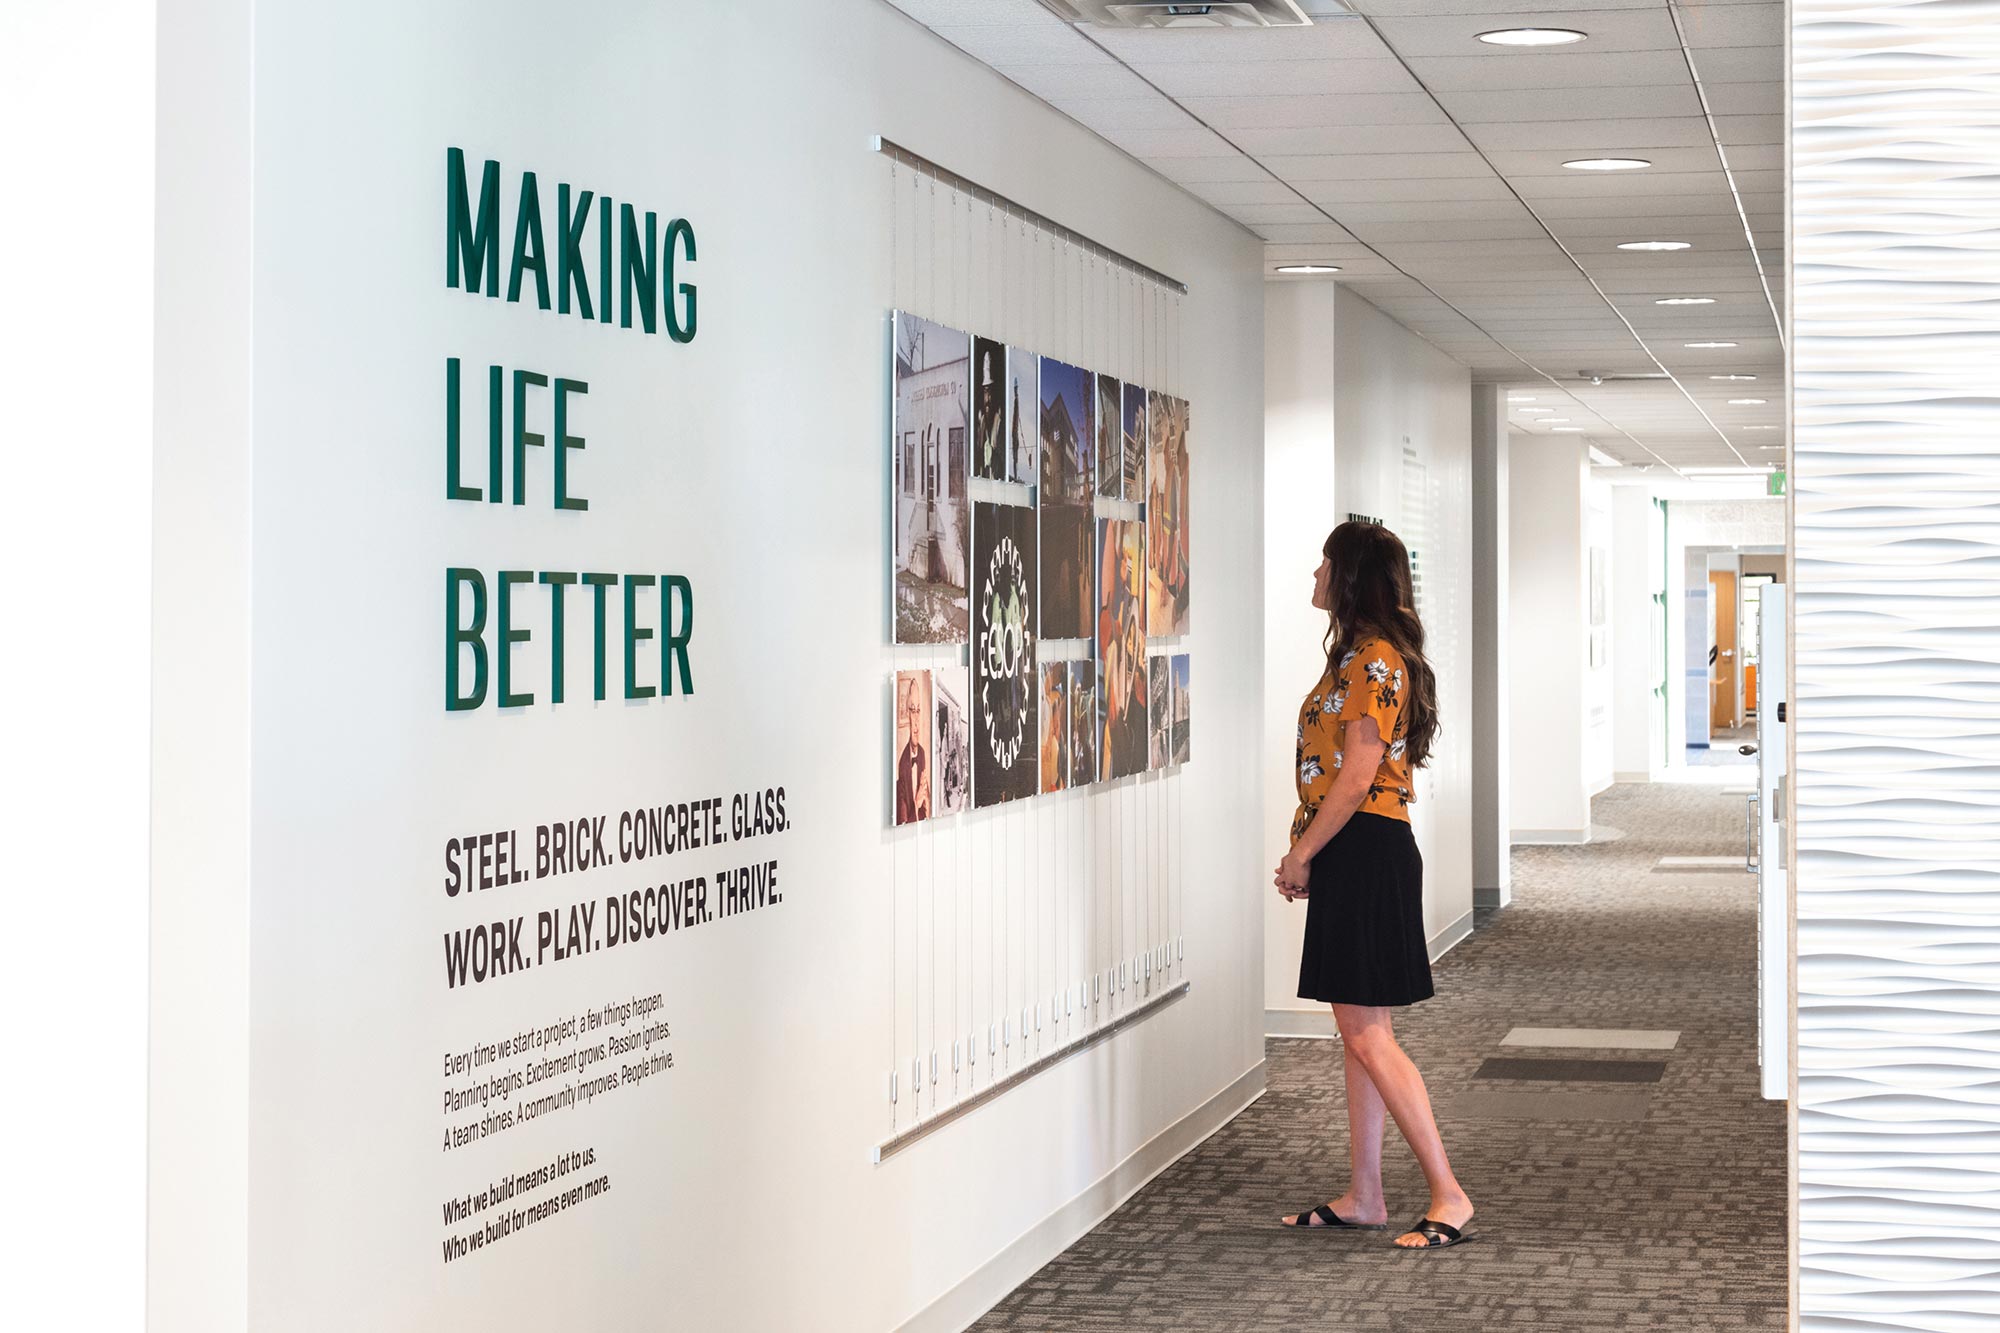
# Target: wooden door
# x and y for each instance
(1722, 678)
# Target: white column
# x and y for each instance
(1492, 881)
(1895, 703)
(1298, 513)
(1547, 650)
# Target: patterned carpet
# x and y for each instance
(1672, 1220)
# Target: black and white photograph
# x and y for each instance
(1022, 412)
(1160, 712)
(989, 409)
(1110, 447)
(1083, 722)
(1005, 691)
(1132, 431)
(929, 433)
(951, 751)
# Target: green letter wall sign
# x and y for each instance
(477, 243)
(469, 637)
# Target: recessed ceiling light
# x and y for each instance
(1747, 402)
(1655, 245)
(1532, 36)
(1608, 164)
(1685, 300)
(1308, 268)
(1568, 430)
(1710, 344)
(1729, 377)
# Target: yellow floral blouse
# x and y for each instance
(1368, 682)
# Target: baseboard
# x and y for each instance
(1549, 837)
(1318, 1022)
(1494, 897)
(988, 1284)
(1642, 776)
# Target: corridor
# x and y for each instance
(1602, 1205)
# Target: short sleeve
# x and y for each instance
(1371, 685)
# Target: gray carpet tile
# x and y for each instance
(1671, 1221)
(1572, 1071)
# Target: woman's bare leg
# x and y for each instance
(1366, 1119)
(1366, 1034)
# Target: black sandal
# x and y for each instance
(1437, 1235)
(1329, 1221)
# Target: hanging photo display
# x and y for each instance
(929, 424)
(1160, 712)
(989, 409)
(1068, 448)
(1021, 415)
(1110, 442)
(1132, 431)
(1183, 707)
(914, 746)
(1055, 726)
(951, 744)
(1005, 733)
(1082, 723)
(1121, 646)
(1167, 516)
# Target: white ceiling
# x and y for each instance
(1428, 166)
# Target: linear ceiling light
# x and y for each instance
(1608, 164)
(1513, 399)
(1685, 300)
(1708, 344)
(1760, 428)
(1567, 430)
(1308, 268)
(1532, 36)
(1655, 245)
(1747, 402)
(1731, 377)
(1531, 411)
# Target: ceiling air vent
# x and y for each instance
(1184, 14)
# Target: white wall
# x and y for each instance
(1637, 567)
(1547, 590)
(751, 460)
(1396, 400)
(1598, 681)
(1299, 473)
(76, 337)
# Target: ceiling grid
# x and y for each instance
(1428, 166)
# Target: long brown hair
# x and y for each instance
(1369, 594)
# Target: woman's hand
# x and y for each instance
(1293, 875)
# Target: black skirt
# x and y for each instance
(1365, 917)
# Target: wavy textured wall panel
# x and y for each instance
(1896, 478)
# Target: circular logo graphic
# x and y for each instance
(1006, 654)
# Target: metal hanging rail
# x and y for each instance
(973, 189)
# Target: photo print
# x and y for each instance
(1005, 691)
(929, 429)
(1167, 518)
(1121, 647)
(1083, 723)
(1160, 712)
(1132, 431)
(1068, 440)
(989, 409)
(1055, 726)
(1182, 708)
(951, 745)
(1021, 415)
(1110, 443)
(913, 746)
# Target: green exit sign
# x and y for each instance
(1775, 482)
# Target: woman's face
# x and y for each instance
(1323, 585)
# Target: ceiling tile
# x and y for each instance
(1151, 112)
(1623, 184)
(1733, 25)
(1519, 162)
(1322, 231)
(1052, 43)
(1196, 142)
(1384, 192)
(1106, 79)
(1226, 194)
(1263, 215)
(1569, 103)
(1740, 64)
(1218, 78)
(1639, 29)
(1358, 139)
(1524, 69)
(1612, 133)
(1316, 111)
(942, 13)
(1378, 166)
(1329, 39)
(1440, 210)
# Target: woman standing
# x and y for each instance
(1365, 728)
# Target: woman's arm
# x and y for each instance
(1360, 760)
